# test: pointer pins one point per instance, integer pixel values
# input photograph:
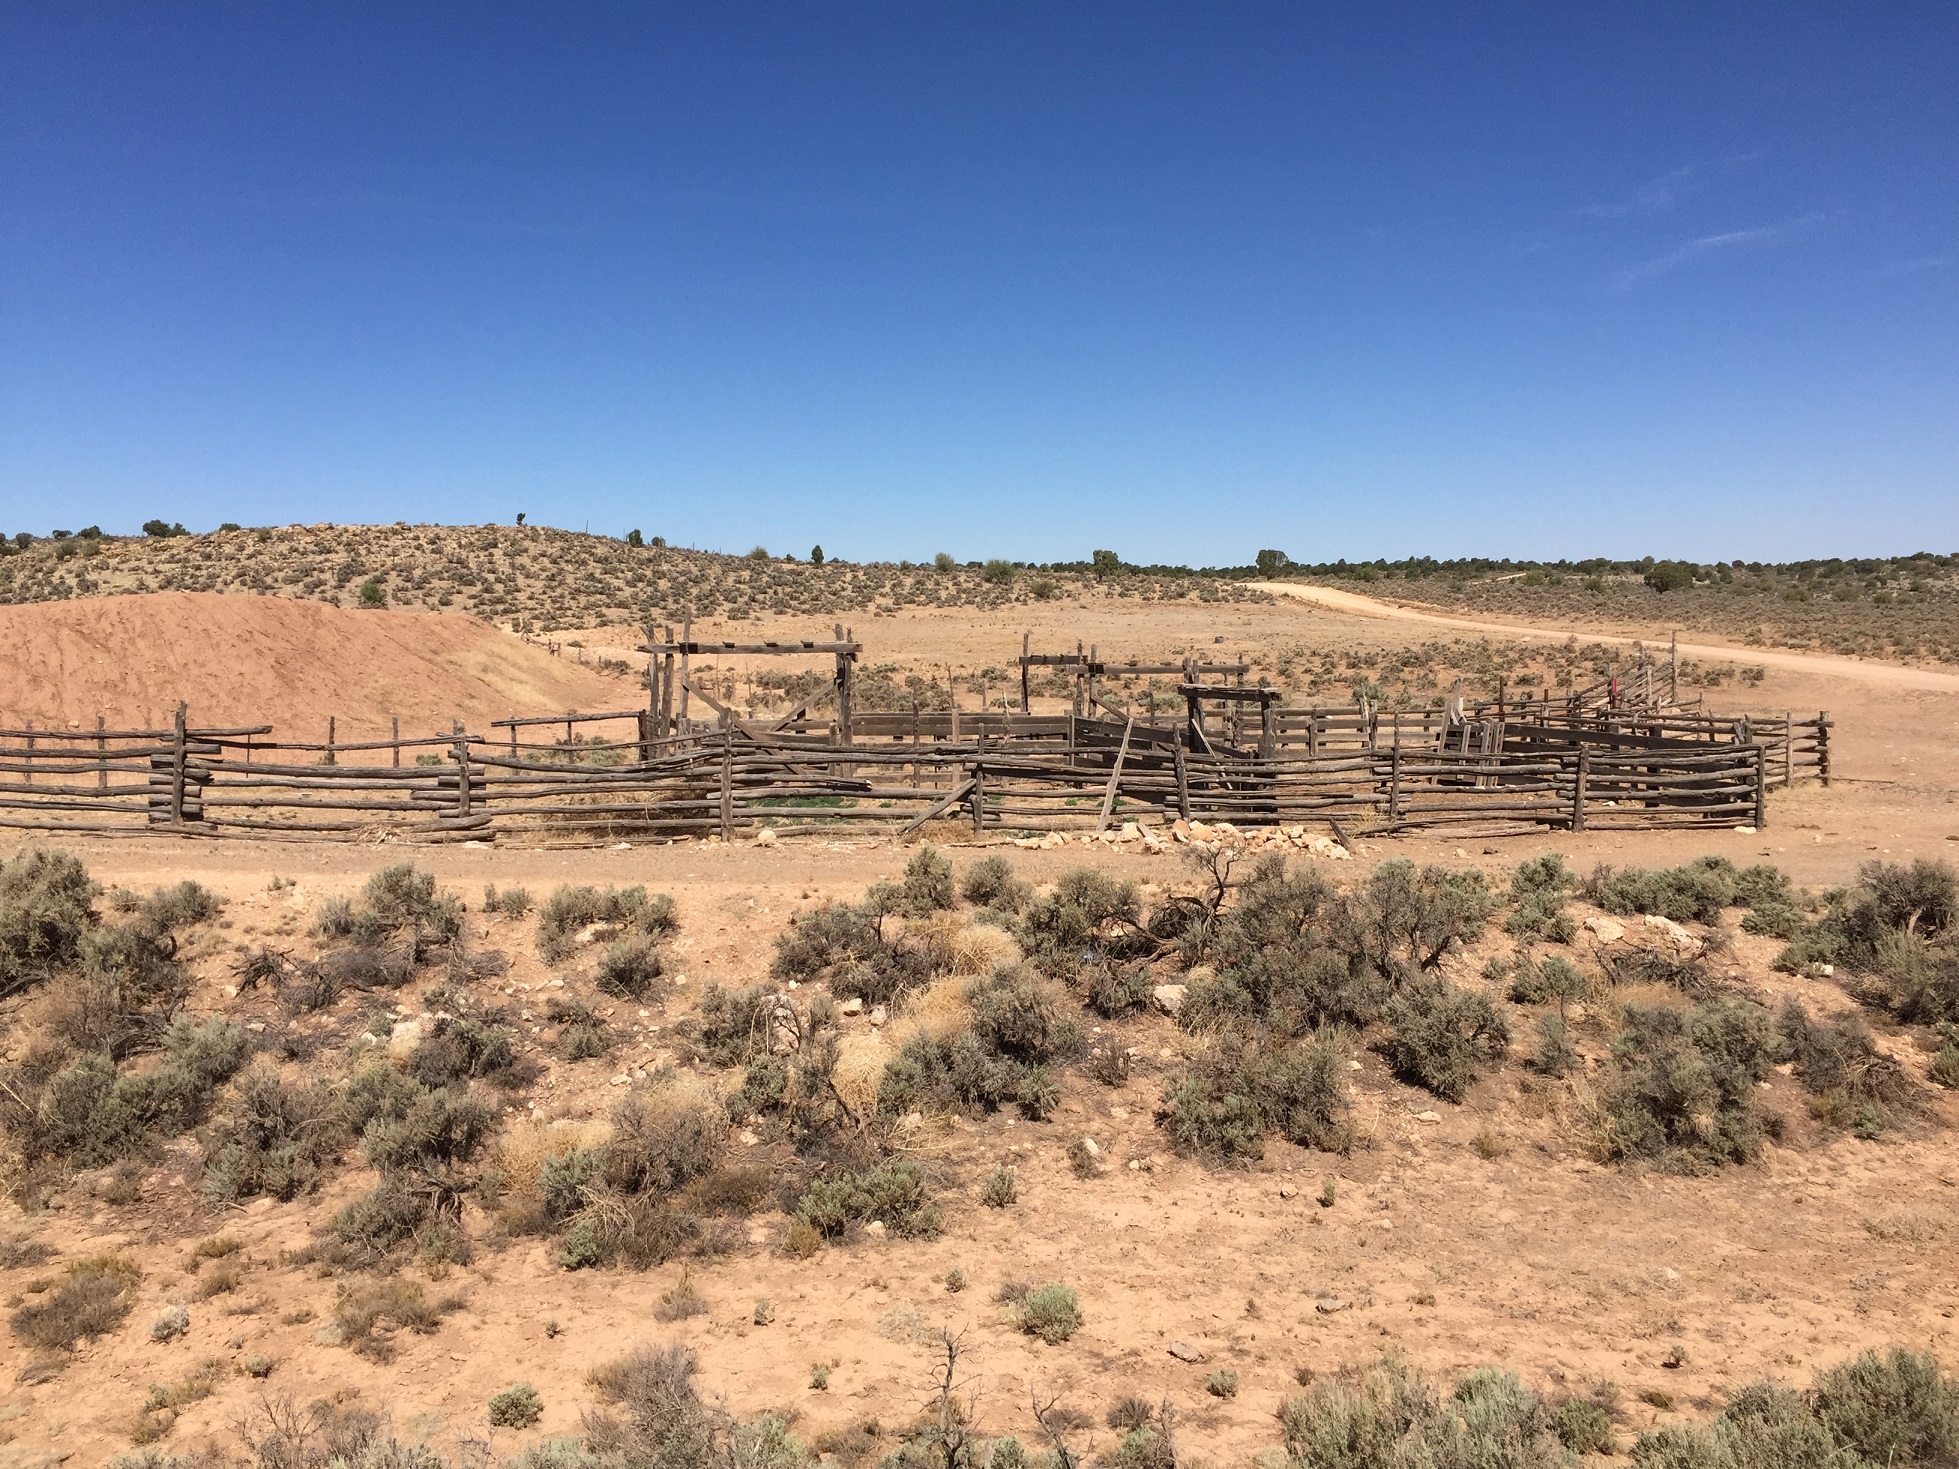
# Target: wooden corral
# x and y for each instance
(1619, 754)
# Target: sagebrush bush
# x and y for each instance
(630, 967)
(1682, 1095)
(1089, 914)
(898, 1193)
(1052, 1312)
(990, 883)
(654, 1416)
(927, 887)
(517, 1406)
(1855, 1084)
(847, 945)
(570, 910)
(1696, 892)
(1237, 1090)
(273, 1138)
(1018, 1035)
(180, 905)
(1877, 1410)
(46, 903)
(1387, 1415)
(1440, 1036)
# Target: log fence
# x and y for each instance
(1617, 754)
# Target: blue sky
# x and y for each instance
(1007, 280)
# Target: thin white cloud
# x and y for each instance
(1658, 195)
(1729, 240)
(1913, 267)
(1650, 197)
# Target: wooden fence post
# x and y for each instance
(1823, 745)
(179, 758)
(1579, 783)
(728, 786)
(1394, 784)
(1183, 779)
(1761, 787)
(330, 741)
(979, 798)
(394, 720)
(462, 773)
(1026, 690)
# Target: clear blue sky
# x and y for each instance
(1007, 280)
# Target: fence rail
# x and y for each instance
(1550, 764)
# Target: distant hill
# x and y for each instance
(536, 579)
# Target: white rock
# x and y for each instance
(848, 1007)
(1169, 998)
(875, 1229)
(878, 1016)
(1605, 930)
(1089, 1147)
(1183, 1351)
(765, 837)
(1428, 1116)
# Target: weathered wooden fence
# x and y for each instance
(891, 771)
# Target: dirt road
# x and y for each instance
(1891, 675)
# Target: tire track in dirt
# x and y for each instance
(1888, 675)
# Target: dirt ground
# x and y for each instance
(1485, 1235)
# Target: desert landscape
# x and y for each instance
(1187, 1143)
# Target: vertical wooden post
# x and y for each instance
(462, 769)
(395, 721)
(644, 719)
(1823, 745)
(952, 694)
(568, 714)
(1761, 787)
(1183, 779)
(1582, 779)
(179, 758)
(1026, 689)
(1094, 656)
(102, 756)
(979, 798)
(686, 640)
(331, 725)
(1673, 668)
(845, 711)
(1394, 785)
(1788, 748)
(728, 785)
(513, 734)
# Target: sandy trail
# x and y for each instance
(1889, 674)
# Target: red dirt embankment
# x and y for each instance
(240, 660)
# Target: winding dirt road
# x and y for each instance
(1888, 675)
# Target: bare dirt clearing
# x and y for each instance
(269, 660)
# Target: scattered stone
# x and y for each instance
(1089, 1147)
(1287, 1191)
(1169, 998)
(1428, 1116)
(1330, 1305)
(1605, 930)
(1183, 1351)
(848, 1007)
(875, 1229)
(878, 1016)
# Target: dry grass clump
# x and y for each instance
(92, 1301)
(368, 1315)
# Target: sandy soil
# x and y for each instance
(269, 660)
(1826, 1246)
(1534, 1258)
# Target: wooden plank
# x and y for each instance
(1115, 779)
